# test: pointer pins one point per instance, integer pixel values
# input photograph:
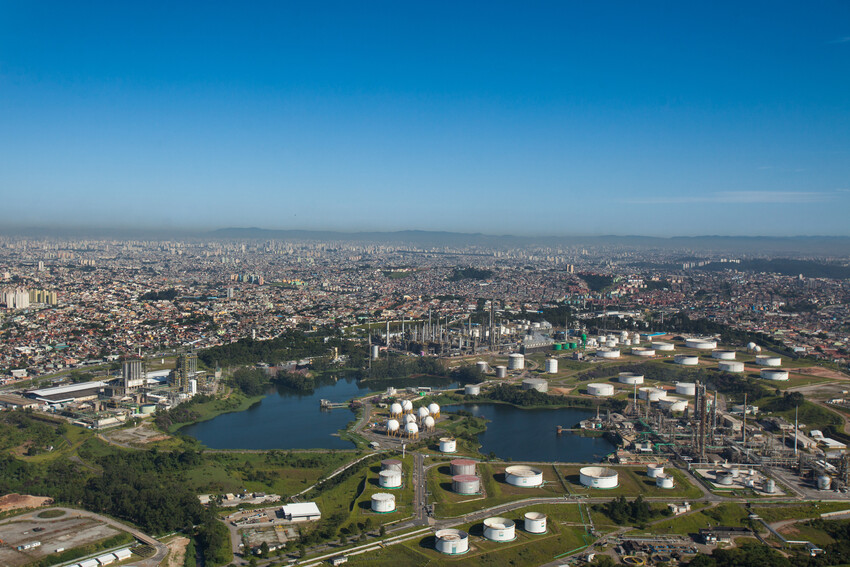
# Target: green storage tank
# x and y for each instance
(572, 345)
(557, 346)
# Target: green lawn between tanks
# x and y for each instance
(258, 472)
(634, 482)
(772, 514)
(722, 515)
(526, 549)
(496, 491)
(403, 497)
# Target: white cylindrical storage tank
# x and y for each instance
(448, 445)
(383, 503)
(730, 366)
(452, 542)
(463, 467)
(671, 403)
(630, 378)
(624, 335)
(611, 343)
(701, 344)
(522, 475)
(481, 366)
(472, 389)
(686, 388)
(551, 366)
(723, 354)
(516, 362)
(687, 360)
(598, 477)
(376, 351)
(429, 423)
(647, 352)
(423, 412)
(664, 481)
(501, 372)
(499, 529)
(651, 394)
(724, 478)
(777, 374)
(535, 384)
(770, 486)
(608, 353)
(654, 469)
(411, 429)
(392, 427)
(409, 418)
(535, 522)
(661, 346)
(466, 484)
(434, 409)
(395, 409)
(407, 406)
(600, 389)
(391, 465)
(767, 360)
(824, 482)
(627, 342)
(389, 479)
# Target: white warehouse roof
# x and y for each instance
(301, 510)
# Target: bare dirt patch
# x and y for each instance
(17, 501)
(137, 436)
(822, 372)
(176, 552)
(561, 391)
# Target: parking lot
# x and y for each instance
(65, 532)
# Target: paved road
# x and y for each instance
(161, 549)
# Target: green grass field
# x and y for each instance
(634, 482)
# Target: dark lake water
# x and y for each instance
(529, 434)
(292, 420)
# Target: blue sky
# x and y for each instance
(656, 118)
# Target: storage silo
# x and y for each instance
(535, 522)
(598, 477)
(395, 409)
(383, 503)
(730, 366)
(600, 389)
(651, 394)
(466, 484)
(662, 346)
(723, 354)
(472, 389)
(776, 374)
(452, 541)
(701, 344)
(654, 469)
(448, 445)
(630, 378)
(535, 384)
(393, 427)
(664, 481)
(523, 475)
(499, 529)
(391, 465)
(463, 467)
(686, 360)
(644, 352)
(551, 366)
(481, 366)
(501, 372)
(608, 353)
(767, 360)
(686, 388)
(516, 362)
(389, 479)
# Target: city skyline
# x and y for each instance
(552, 119)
